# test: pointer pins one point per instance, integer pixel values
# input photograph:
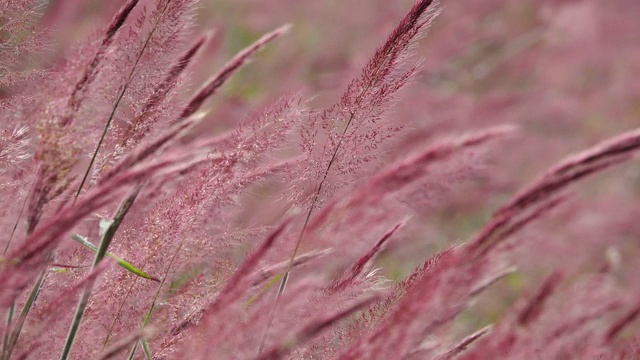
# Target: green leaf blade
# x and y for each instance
(123, 263)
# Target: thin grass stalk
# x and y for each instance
(161, 90)
(115, 319)
(145, 348)
(11, 337)
(118, 100)
(261, 276)
(147, 317)
(77, 318)
(105, 241)
(15, 333)
(314, 202)
(155, 297)
(5, 338)
(15, 226)
(53, 309)
(269, 272)
(285, 277)
(76, 98)
(387, 55)
(12, 308)
(155, 146)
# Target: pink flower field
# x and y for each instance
(357, 179)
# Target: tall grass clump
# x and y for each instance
(161, 205)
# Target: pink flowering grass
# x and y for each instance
(175, 192)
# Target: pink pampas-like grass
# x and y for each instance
(146, 218)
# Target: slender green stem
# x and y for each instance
(283, 283)
(115, 319)
(164, 279)
(15, 226)
(5, 340)
(105, 241)
(75, 324)
(145, 348)
(17, 328)
(155, 297)
(120, 261)
(314, 202)
(12, 308)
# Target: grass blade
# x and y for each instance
(145, 348)
(269, 285)
(101, 251)
(123, 263)
(15, 334)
